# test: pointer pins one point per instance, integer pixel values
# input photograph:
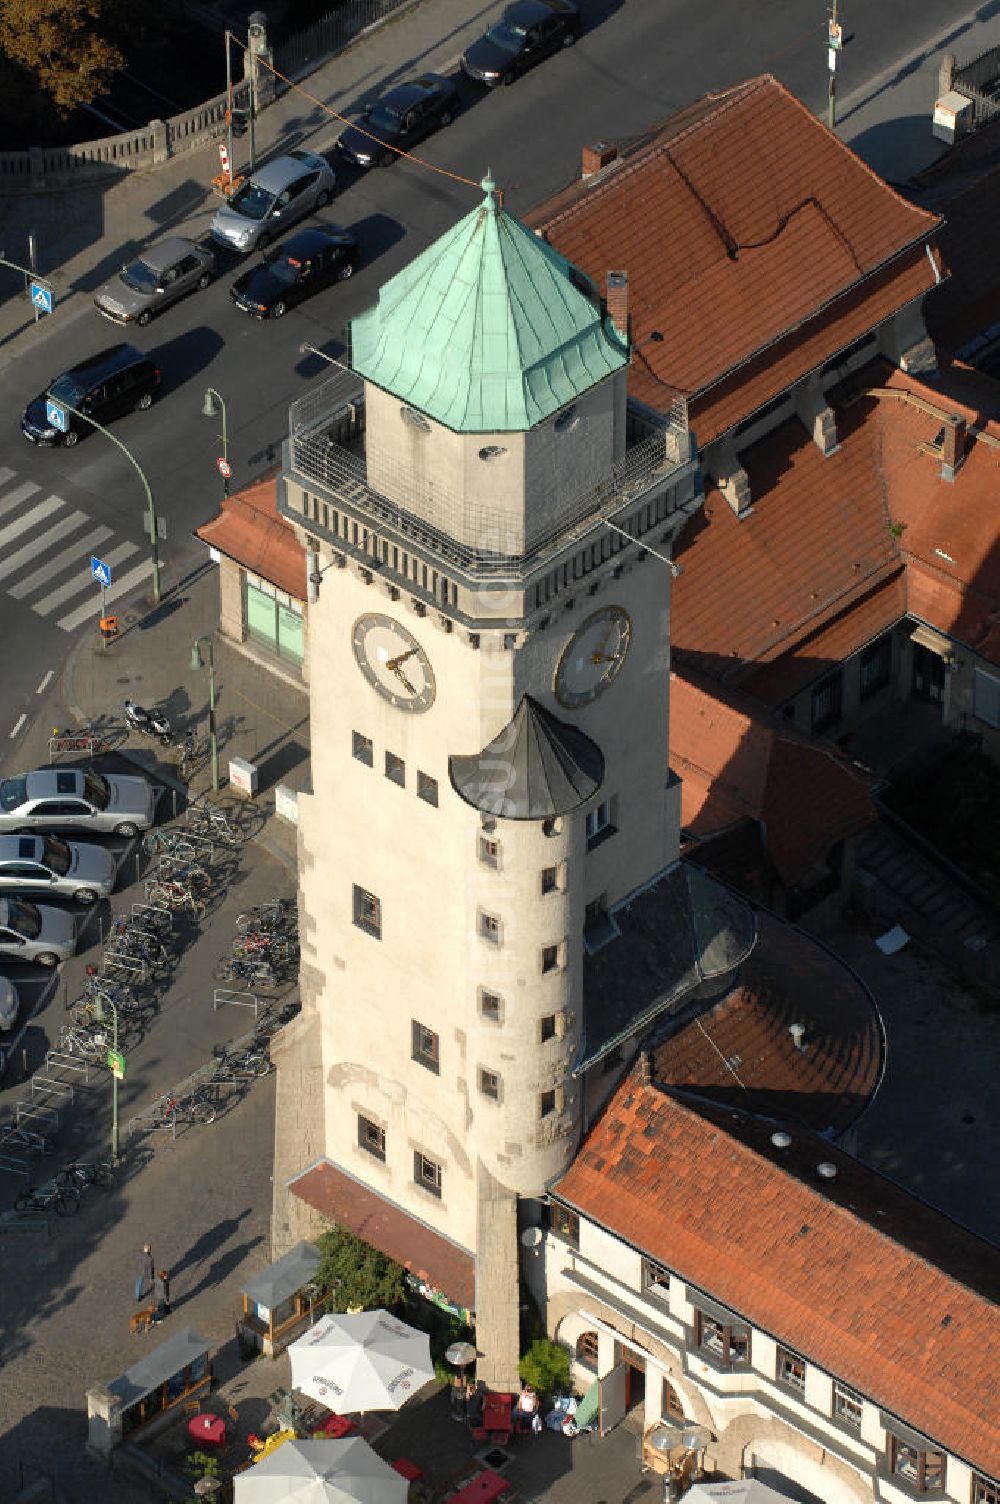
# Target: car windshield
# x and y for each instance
(96, 790)
(140, 277)
(57, 856)
(252, 200)
(384, 118)
(13, 793)
(287, 269)
(507, 34)
(69, 388)
(24, 918)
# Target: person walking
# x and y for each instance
(161, 1295)
(144, 1273)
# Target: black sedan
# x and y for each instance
(405, 116)
(295, 270)
(528, 31)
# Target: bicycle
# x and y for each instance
(197, 1108)
(215, 823)
(258, 973)
(90, 1043)
(278, 915)
(81, 1174)
(174, 895)
(170, 843)
(191, 755)
(65, 1199)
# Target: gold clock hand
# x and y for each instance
(403, 679)
(393, 663)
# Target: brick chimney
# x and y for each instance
(952, 446)
(617, 301)
(595, 157)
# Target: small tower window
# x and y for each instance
(415, 419)
(567, 420)
(492, 452)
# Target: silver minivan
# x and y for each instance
(273, 198)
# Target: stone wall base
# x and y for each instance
(298, 1128)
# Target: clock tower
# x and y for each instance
(489, 523)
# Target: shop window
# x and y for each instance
(920, 1467)
(368, 912)
(847, 1406)
(371, 1137)
(425, 1046)
(586, 1350)
(826, 702)
(565, 1224)
(876, 667)
(362, 749)
(427, 1173)
(728, 1342)
(273, 623)
(791, 1369)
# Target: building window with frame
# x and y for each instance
(425, 1046)
(921, 1467)
(600, 823)
(728, 1342)
(490, 1006)
(490, 928)
(655, 1278)
(565, 1224)
(847, 1406)
(550, 880)
(489, 852)
(671, 1404)
(546, 1104)
(825, 705)
(791, 1369)
(986, 697)
(550, 958)
(547, 1028)
(395, 769)
(368, 912)
(427, 788)
(371, 1137)
(586, 1350)
(427, 1173)
(362, 749)
(983, 1491)
(875, 666)
(489, 1084)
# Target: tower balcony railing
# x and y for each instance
(327, 448)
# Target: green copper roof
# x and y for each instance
(487, 329)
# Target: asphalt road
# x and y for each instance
(638, 61)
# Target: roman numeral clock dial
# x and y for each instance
(393, 662)
(593, 658)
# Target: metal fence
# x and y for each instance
(979, 80)
(305, 49)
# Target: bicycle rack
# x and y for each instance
(58, 744)
(51, 1087)
(221, 996)
(142, 911)
(30, 1110)
(128, 967)
(58, 1060)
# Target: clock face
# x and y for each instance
(593, 657)
(393, 662)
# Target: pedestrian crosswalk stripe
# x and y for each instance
(31, 519)
(6, 475)
(32, 551)
(120, 587)
(13, 499)
(83, 581)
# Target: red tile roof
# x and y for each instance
(250, 530)
(859, 1277)
(429, 1255)
(739, 221)
(736, 761)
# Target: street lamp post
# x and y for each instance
(197, 661)
(114, 1086)
(151, 517)
(213, 405)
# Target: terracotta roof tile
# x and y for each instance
(738, 222)
(735, 761)
(856, 1275)
(250, 530)
(426, 1253)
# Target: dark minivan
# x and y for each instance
(104, 387)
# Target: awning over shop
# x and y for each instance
(157, 1367)
(282, 1279)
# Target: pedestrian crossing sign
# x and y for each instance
(100, 571)
(41, 297)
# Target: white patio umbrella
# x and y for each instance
(369, 1361)
(321, 1472)
(743, 1491)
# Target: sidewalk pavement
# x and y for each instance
(85, 233)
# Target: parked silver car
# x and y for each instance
(273, 198)
(73, 869)
(35, 932)
(68, 799)
(10, 1006)
(161, 275)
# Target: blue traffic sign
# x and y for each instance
(41, 297)
(100, 570)
(56, 416)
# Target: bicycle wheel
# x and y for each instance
(103, 1174)
(24, 1201)
(203, 1111)
(67, 1202)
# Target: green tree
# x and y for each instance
(58, 42)
(357, 1274)
(545, 1366)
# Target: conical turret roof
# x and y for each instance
(536, 767)
(487, 330)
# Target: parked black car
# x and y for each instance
(103, 387)
(403, 117)
(305, 264)
(528, 31)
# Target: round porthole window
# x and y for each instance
(414, 419)
(492, 452)
(567, 421)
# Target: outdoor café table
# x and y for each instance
(497, 1413)
(482, 1489)
(335, 1426)
(208, 1429)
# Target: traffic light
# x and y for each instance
(237, 121)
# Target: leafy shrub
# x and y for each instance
(359, 1276)
(545, 1366)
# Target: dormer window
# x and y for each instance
(415, 419)
(567, 420)
(492, 452)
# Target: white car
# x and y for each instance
(75, 869)
(68, 799)
(35, 932)
(272, 198)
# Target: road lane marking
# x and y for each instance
(34, 550)
(45, 681)
(6, 474)
(77, 553)
(20, 722)
(120, 587)
(13, 499)
(83, 581)
(31, 519)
